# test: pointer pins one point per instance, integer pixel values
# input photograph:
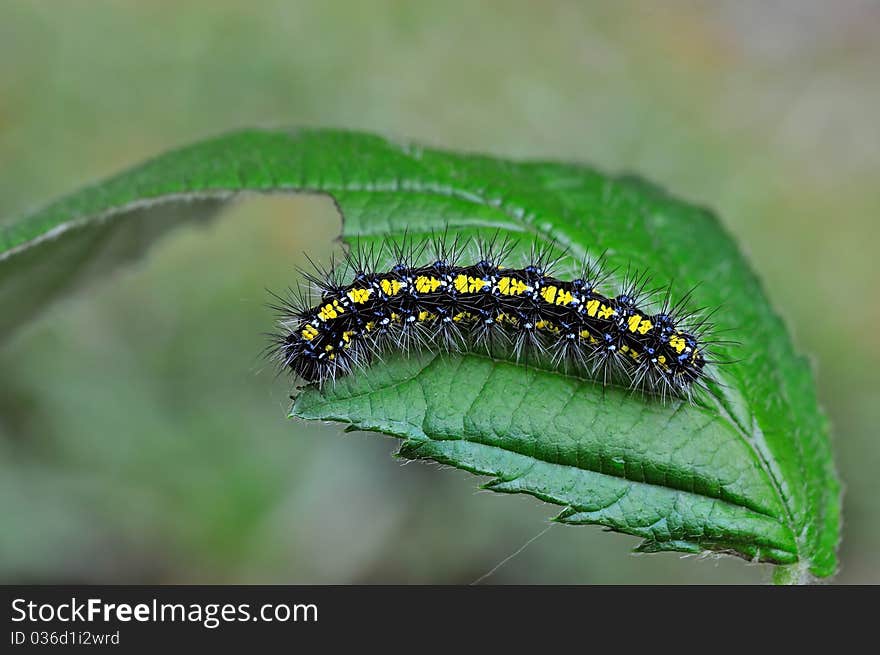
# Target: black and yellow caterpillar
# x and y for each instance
(446, 306)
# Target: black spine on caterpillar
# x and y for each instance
(443, 306)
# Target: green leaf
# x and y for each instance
(748, 470)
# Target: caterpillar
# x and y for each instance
(446, 304)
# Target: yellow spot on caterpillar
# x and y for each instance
(370, 326)
(461, 283)
(677, 342)
(585, 334)
(549, 294)
(330, 311)
(547, 325)
(606, 312)
(634, 321)
(592, 307)
(309, 332)
(639, 324)
(462, 316)
(508, 286)
(662, 359)
(359, 296)
(395, 317)
(346, 337)
(629, 351)
(425, 284)
(426, 316)
(564, 297)
(475, 284)
(390, 287)
(331, 356)
(328, 347)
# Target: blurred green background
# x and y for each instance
(142, 439)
